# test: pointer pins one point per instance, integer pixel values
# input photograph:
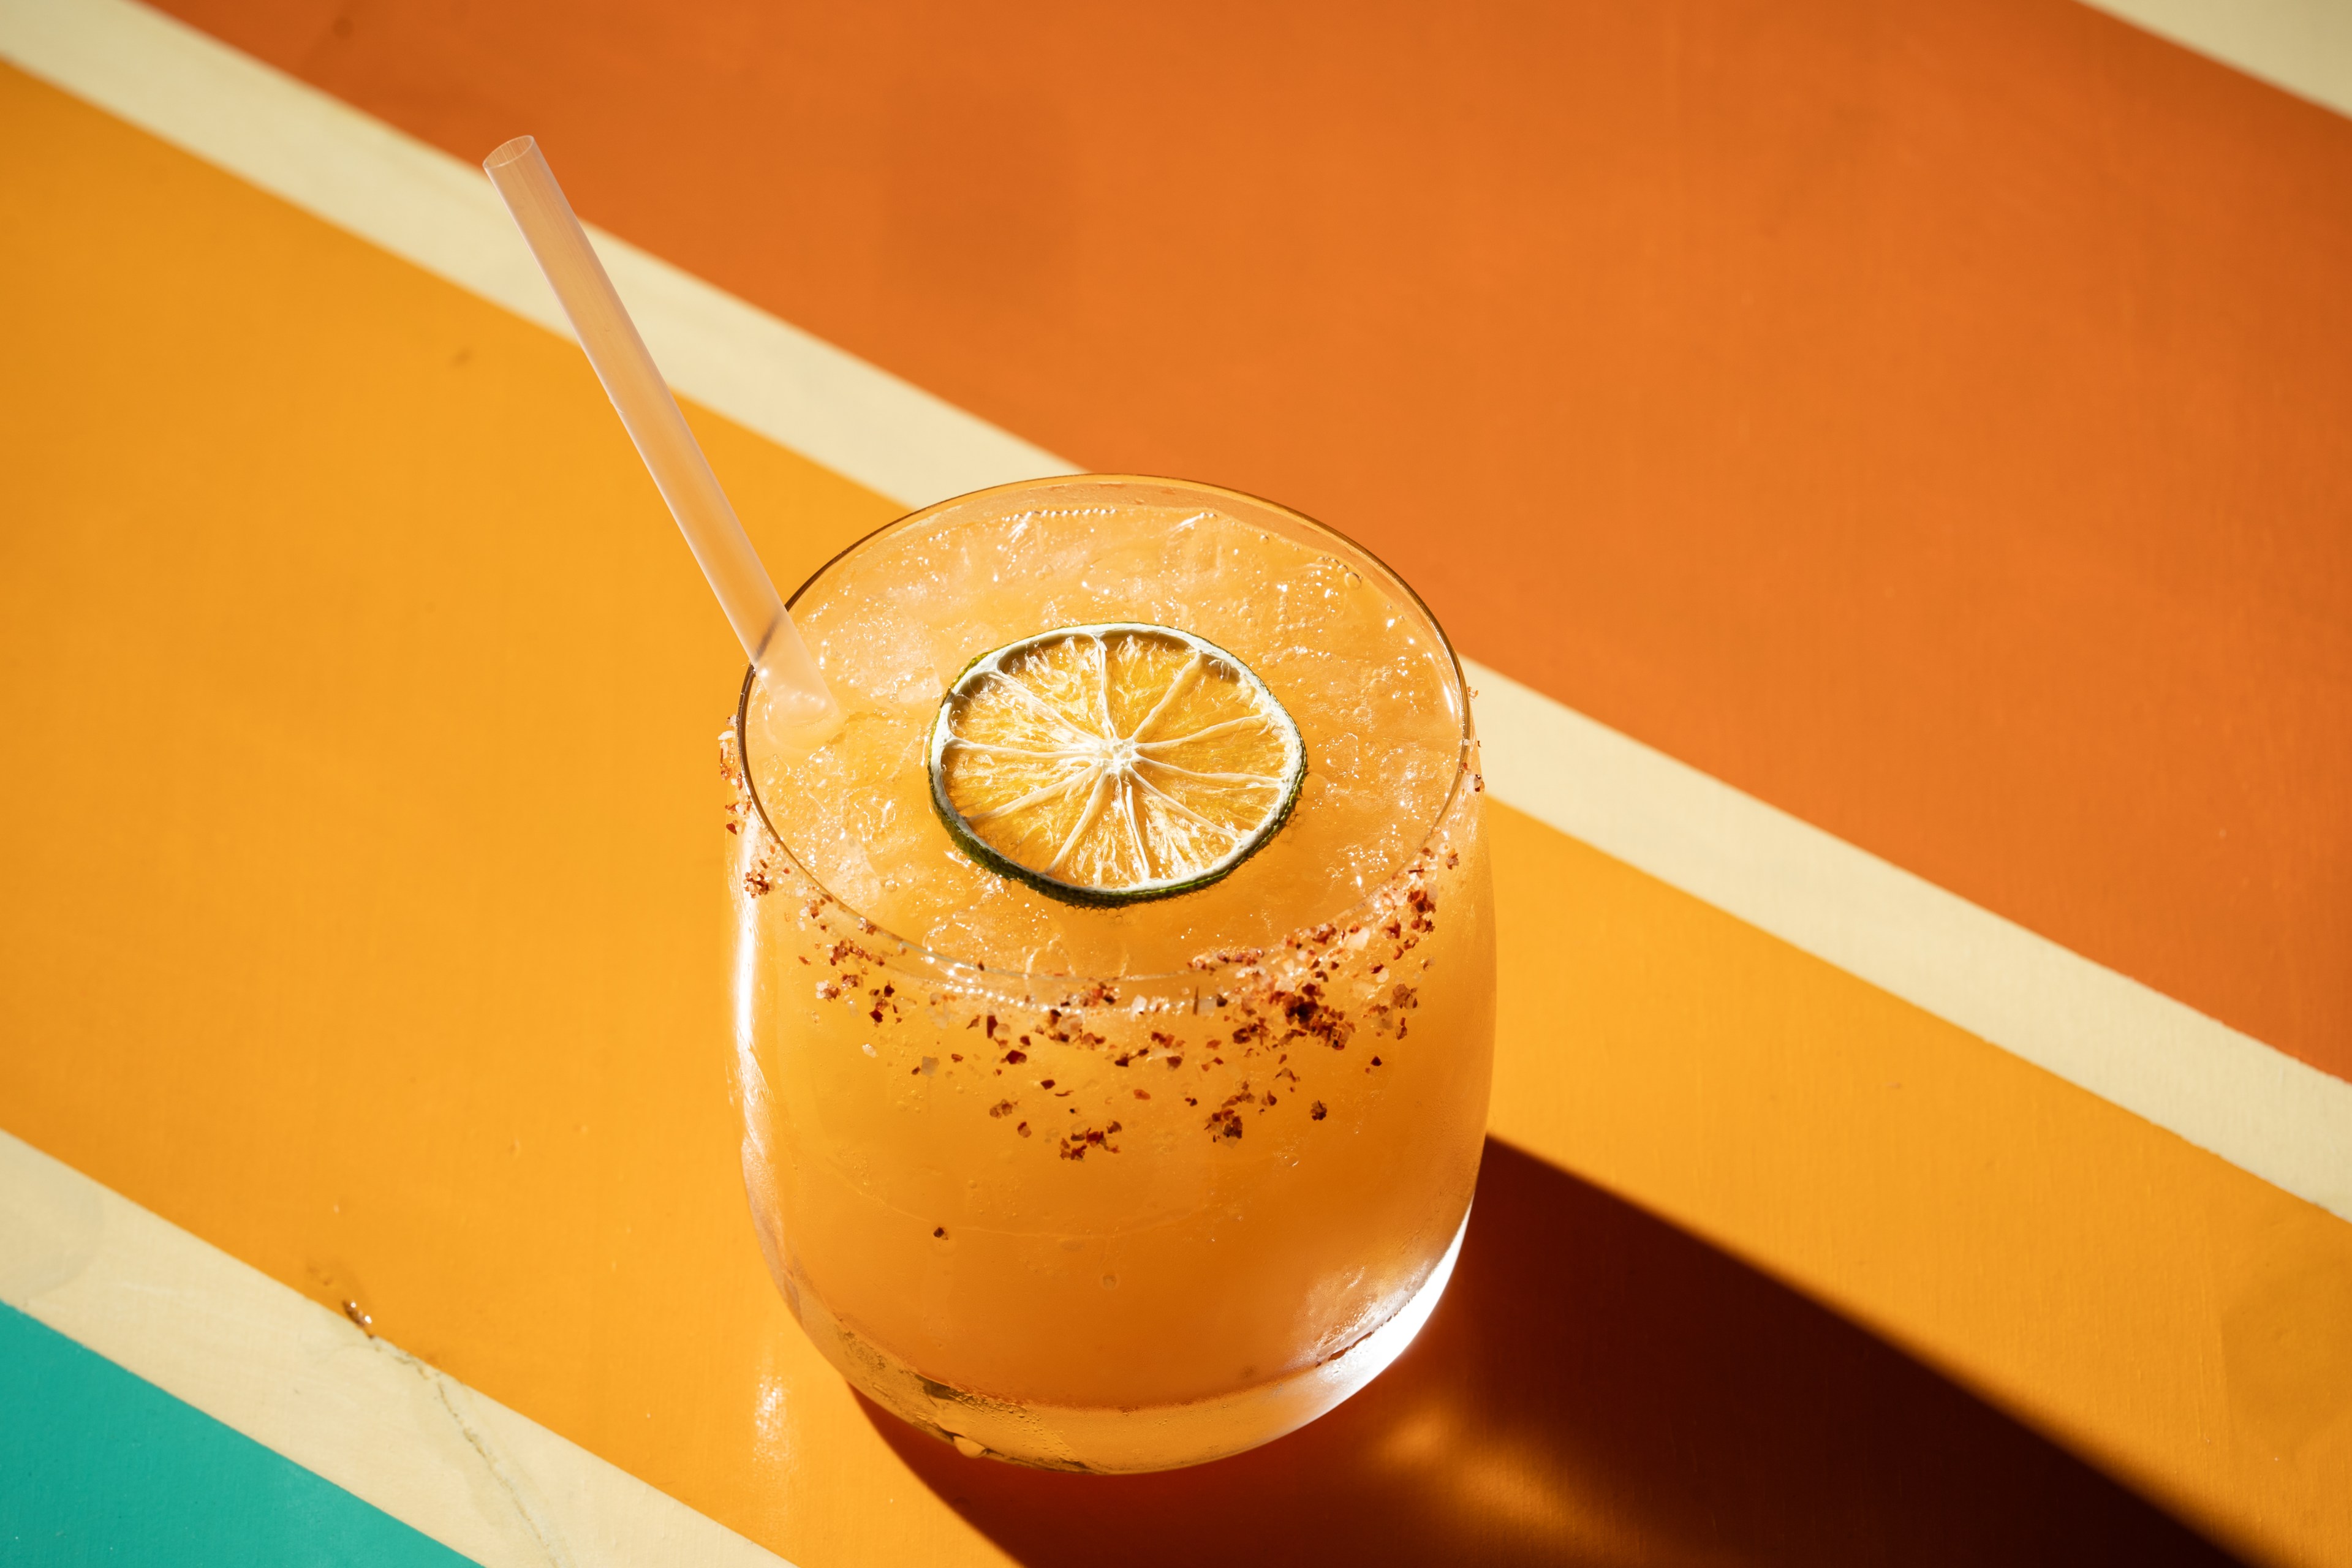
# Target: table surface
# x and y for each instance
(1925, 420)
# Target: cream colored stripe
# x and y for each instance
(300, 1379)
(429, 208)
(2303, 45)
(2260, 1109)
(2255, 1107)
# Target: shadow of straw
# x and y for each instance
(1598, 1387)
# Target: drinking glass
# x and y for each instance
(1125, 1189)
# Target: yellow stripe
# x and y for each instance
(340, 933)
(440, 213)
(2264, 1111)
(306, 1381)
(2258, 1108)
(349, 936)
(2146, 1303)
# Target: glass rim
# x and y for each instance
(1465, 745)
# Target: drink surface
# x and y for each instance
(1112, 1188)
(1372, 692)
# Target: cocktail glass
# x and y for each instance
(1132, 1195)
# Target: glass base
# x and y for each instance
(1106, 1440)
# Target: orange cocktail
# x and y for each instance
(1149, 1138)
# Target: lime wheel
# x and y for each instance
(1113, 763)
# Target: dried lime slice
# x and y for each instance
(1114, 763)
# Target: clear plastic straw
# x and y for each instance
(644, 402)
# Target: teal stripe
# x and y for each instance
(100, 1466)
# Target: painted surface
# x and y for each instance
(2303, 45)
(310, 1383)
(102, 1468)
(366, 945)
(2222, 1090)
(1925, 417)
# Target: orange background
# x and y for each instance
(1928, 417)
(310, 953)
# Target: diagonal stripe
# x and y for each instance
(1916, 415)
(426, 207)
(2303, 45)
(2260, 1109)
(78, 1435)
(300, 1380)
(524, 1169)
(2153, 1307)
(2257, 1107)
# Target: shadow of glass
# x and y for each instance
(1597, 1387)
